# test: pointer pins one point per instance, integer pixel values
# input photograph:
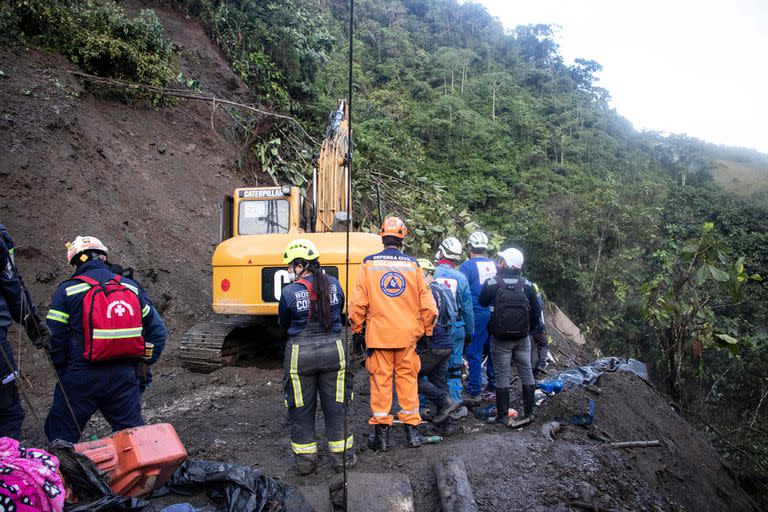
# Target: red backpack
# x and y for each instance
(111, 321)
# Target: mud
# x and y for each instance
(147, 181)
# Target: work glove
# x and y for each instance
(358, 343)
(467, 340)
(38, 332)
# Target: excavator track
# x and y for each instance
(210, 345)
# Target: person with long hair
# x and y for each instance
(315, 357)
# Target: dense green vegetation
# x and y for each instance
(96, 36)
(460, 123)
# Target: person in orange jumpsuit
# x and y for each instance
(396, 308)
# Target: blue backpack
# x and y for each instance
(447, 310)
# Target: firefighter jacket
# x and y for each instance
(392, 300)
(65, 318)
(457, 282)
(293, 311)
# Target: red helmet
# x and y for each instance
(392, 226)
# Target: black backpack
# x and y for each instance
(512, 312)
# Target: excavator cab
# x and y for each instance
(260, 211)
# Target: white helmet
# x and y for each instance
(478, 240)
(450, 249)
(84, 243)
(512, 257)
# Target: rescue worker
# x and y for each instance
(446, 274)
(394, 305)
(539, 341)
(435, 351)
(96, 374)
(315, 357)
(478, 269)
(15, 306)
(517, 311)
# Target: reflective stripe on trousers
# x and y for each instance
(315, 364)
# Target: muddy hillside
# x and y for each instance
(147, 181)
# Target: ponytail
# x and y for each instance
(322, 306)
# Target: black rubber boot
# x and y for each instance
(412, 436)
(379, 440)
(446, 407)
(528, 400)
(337, 461)
(502, 404)
(306, 464)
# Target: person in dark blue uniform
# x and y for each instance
(109, 386)
(478, 269)
(15, 306)
(315, 357)
(435, 351)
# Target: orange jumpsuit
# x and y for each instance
(397, 308)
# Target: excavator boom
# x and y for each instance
(331, 174)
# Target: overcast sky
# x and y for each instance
(684, 66)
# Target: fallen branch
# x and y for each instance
(551, 428)
(603, 431)
(636, 444)
(186, 94)
(596, 436)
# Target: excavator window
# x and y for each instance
(260, 217)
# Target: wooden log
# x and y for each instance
(636, 444)
(453, 485)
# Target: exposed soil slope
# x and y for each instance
(145, 180)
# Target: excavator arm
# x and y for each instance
(330, 184)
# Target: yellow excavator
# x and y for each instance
(256, 223)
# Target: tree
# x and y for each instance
(681, 300)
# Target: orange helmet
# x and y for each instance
(392, 226)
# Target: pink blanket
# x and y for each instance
(29, 479)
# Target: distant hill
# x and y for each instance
(741, 171)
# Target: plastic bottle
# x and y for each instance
(552, 386)
(433, 439)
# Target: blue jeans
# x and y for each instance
(481, 342)
(112, 389)
(453, 377)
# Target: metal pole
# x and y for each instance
(349, 222)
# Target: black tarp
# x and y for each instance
(242, 488)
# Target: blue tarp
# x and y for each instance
(589, 373)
